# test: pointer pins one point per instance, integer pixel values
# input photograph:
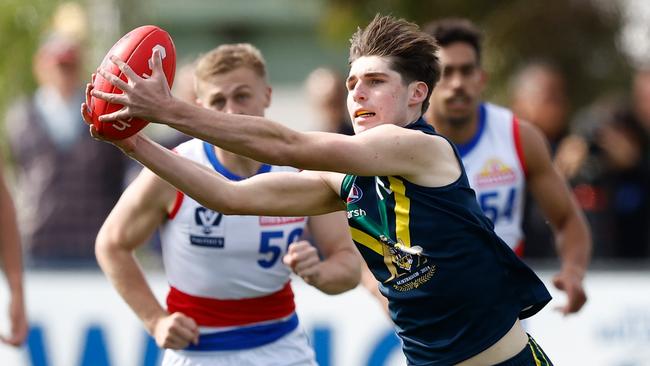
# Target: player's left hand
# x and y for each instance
(570, 282)
(141, 98)
(18, 323)
(127, 145)
(303, 259)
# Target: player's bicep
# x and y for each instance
(286, 194)
(544, 181)
(385, 150)
(140, 210)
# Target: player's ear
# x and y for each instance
(418, 91)
(267, 96)
(484, 78)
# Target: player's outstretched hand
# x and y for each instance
(127, 144)
(18, 321)
(176, 331)
(302, 258)
(571, 283)
(141, 98)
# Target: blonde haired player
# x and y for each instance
(230, 301)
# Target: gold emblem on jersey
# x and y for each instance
(399, 258)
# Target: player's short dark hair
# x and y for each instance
(451, 30)
(412, 53)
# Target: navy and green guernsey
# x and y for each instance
(454, 287)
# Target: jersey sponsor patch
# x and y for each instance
(495, 172)
(273, 221)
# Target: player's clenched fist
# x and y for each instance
(303, 259)
(176, 331)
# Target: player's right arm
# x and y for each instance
(135, 217)
(10, 256)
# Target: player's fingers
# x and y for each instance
(121, 115)
(92, 78)
(114, 80)
(95, 134)
(187, 322)
(576, 301)
(191, 325)
(174, 341)
(157, 68)
(183, 333)
(85, 114)
(288, 260)
(126, 69)
(558, 282)
(89, 88)
(305, 264)
(109, 97)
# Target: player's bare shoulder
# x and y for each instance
(537, 152)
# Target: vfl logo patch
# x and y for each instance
(207, 219)
(354, 195)
(207, 222)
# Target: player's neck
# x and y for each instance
(458, 131)
(237, 164)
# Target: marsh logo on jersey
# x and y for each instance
(494, 172)
(207, 227)
(354, 195)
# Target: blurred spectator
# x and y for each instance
(327, 95)
(11, 259)
(612, 176)
(183, 87)
(539, 96)
(67, 184)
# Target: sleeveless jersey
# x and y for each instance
(496, 170)
(227, 270)
(464, 290)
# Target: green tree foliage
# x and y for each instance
(21, 25)
(580, 36)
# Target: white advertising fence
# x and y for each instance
(77, 319)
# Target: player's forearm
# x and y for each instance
(255, 137)
(207, 188)
(126, 276)
(10, 246)
(339, 273)
(574, 245)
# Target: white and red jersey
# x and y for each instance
(227, 270)
(496, 169)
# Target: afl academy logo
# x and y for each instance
(354, 195)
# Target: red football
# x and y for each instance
(136, 49)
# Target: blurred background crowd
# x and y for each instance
(578, 69)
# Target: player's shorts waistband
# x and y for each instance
(531, 355)
(245, 337)
(210, 312)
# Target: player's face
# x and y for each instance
(456, 97)
(376, 94)
(241, 91)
